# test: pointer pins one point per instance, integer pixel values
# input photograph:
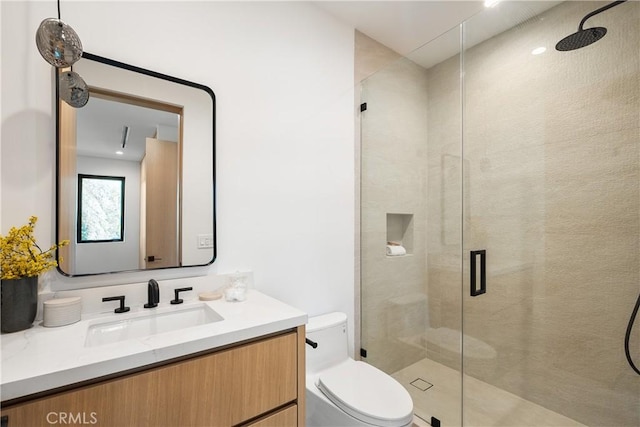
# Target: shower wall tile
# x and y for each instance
(600, 285)
(595, 401)
(371, 56)
(607, 104)
(600, 182)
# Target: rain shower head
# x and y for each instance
(585, 36)
(581, 39)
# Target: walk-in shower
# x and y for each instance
(511, 179)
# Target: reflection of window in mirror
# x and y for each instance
(100, 208)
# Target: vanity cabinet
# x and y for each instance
(258, 383)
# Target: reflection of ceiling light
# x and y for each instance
(491, 3)
(538, 50)
(125, 135)
(119, 152)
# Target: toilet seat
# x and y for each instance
(367, 394)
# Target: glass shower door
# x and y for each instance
(411, 237)
(551, 154)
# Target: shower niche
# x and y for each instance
(399, 235)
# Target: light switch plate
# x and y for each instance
(205, 241)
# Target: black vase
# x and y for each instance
(19, 303)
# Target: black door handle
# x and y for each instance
(483, 273)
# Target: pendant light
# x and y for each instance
(60, 46)
(57, 42)
(73, 89)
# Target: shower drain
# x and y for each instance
(421, 384)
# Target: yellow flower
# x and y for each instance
(20, 255)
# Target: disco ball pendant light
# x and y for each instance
(60, 46)
(73, 89)
(57, 42)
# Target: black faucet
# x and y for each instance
(153, 292)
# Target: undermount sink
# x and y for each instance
(141, 325)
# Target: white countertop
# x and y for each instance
(40, 358)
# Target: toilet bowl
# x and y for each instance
(342, 392)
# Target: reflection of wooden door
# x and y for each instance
(68, 181)
(160, 204)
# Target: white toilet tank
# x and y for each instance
(329, 331)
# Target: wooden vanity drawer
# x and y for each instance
(224, 388)
(286, 417)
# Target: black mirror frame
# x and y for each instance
(133, 68)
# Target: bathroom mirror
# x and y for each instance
(135, 172)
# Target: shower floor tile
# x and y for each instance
(443, 400)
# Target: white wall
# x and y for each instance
(283, 77)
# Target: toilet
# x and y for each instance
(342, 392)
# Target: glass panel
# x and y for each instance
(552, 155)
(411, 181)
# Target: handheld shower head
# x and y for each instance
(585, 36)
